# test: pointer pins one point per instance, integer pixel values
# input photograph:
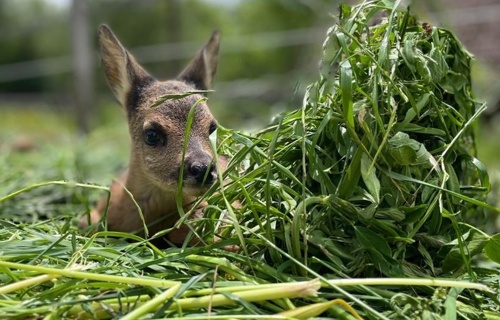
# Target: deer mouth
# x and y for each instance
(194, 190)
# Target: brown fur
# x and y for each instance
(153, 174)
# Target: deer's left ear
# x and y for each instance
(201, 69)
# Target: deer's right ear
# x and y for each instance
(201, 69)
(122, 71)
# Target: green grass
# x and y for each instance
(370, 195)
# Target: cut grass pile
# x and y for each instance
(364, 198)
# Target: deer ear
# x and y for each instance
(201, 70)
(123, 73)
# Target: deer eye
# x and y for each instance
(213, 127)
(152, 137)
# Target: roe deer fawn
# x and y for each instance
(158, 136)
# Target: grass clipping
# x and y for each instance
(377, 171)
(371, 179)
(376, 174)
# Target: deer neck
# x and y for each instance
(155, 202)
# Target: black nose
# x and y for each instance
(202, 173)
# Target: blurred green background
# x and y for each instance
(53, 93)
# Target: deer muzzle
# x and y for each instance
(202, 171)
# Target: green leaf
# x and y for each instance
(409, 54)
(450, 304)
(427, 256)
(482, 172)
(415, 213)
(368, 172)
(423, 155)
(492, 248)
(346, 88)
(422, 102)
(351, 176)
(392, 213)
(453, 183)
(369, 239)
(404, 155)
(437, 65)
(403, 149)
(454, 259)
(401, 139)
(412, 127)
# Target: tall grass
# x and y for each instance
(359, 204)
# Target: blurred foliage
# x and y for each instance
(39, 29)
(26, 37)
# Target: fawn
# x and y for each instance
(158, 136)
